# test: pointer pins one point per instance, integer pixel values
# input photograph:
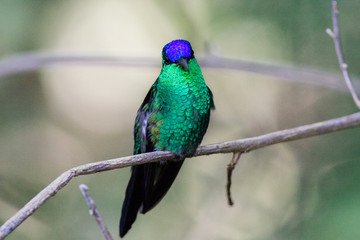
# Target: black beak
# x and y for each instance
(184, 63)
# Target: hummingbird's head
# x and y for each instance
(178, 52)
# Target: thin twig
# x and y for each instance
(94, 212)
(230, 169)
(241, 145)
(335, 35)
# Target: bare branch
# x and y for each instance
(335, 35)
(230, 169)
(241, 145)
(94, 212)
(38, 60)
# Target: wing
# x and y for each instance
(135, 191)
(142, 141)
(159, 177)
(147, 186)
(133, 199)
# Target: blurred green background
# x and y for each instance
(66, 115)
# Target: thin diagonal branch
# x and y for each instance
(241, 145)
(335, 35)
(94, 212)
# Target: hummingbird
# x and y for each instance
(174, 116)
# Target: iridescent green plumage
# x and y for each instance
(174, 116)
(179, 110)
